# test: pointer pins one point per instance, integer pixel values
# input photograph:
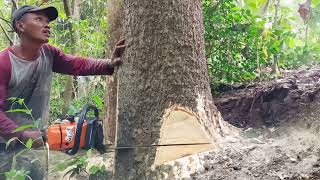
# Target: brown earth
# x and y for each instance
(281, 130)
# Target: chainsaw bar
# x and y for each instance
(153, 145)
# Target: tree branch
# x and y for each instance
(14, 3)
(47, 3)
(3, 18)
(6, 34)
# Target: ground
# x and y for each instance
(279, 131)
(280, 123)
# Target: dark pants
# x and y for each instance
(18, 158)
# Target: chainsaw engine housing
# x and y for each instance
(71, 135)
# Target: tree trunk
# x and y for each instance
(115, 19)
(266, 7)
(81, 82)
(276, 69)
(71, 13)
(13, 8)
(164, 93)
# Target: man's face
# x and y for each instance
(34, 26)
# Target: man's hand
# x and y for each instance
(117, 53)
(36, 137)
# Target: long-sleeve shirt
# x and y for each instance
(31, 81)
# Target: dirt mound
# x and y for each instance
(281, 138)
(265, 104)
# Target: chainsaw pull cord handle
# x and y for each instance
(82, 117)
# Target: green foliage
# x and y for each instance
(78, 164)
(91, 29)
(242, 42)
(74, 165)
(17, 174)
(56, 98)
(14, 173)
(93, 170)
(232, 35)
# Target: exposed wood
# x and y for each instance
(181, 126)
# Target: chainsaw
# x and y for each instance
(75, 132)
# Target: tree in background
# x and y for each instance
(5, 23)
(243, 42)
(91, 43)
(73, 14)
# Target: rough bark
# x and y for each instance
(164, 94)
(115, 19)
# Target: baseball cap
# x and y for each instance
(51, 12)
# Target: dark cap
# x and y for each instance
(51, 12)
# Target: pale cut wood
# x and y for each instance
(181, 126)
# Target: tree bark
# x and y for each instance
(115, 19)
(164, 93)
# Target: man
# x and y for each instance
(26, 72)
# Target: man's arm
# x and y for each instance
(6, 124)
(73, 65)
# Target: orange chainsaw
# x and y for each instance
(75, 132)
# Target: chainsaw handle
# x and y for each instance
(82, 117)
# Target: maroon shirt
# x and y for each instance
(51, 60)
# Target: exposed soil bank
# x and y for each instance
(281, 130)
(267, 103)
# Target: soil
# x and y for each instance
(280, 120)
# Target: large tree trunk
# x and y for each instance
(164, 94)
(115, 19)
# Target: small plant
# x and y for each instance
(14, 173)
(17, 174)
(76, 165)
